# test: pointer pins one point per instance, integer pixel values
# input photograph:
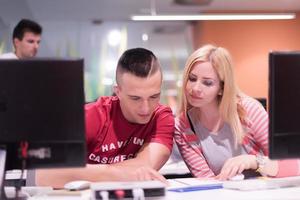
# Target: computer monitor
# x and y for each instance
(284, 105)
(41, 114)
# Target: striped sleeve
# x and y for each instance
(258, 125)
(191, 151)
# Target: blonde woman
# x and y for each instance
(220, 131)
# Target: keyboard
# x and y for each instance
(262, 183)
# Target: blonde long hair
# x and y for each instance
(229, 107)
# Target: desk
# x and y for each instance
(290, 193)
(224, 194)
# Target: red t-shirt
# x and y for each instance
(111, 138)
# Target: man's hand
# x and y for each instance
(145, 165)
(145, 174)
(237, 165)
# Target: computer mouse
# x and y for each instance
(77, 185)
(237, 177)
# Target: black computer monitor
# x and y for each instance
(41, 114)
(284, 105)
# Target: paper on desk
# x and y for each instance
(184, 182)
(263, 183)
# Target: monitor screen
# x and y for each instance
(42, 113)
(284, 105)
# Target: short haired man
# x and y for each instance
(130, 135)
(26, 40)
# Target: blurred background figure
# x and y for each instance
(26, 40)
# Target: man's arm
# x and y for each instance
(150, 158)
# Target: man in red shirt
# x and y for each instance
(130, 135)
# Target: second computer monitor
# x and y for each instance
(284, 105)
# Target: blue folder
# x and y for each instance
(197, 188)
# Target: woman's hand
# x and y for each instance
(237, 165)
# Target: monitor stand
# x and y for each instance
(3, 195)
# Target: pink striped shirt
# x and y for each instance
(254, 142)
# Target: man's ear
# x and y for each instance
(16, 42)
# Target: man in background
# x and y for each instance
(26, 40)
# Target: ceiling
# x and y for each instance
(121, 10)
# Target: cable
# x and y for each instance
(24, 155)
(24, 149)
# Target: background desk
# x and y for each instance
(175, 169)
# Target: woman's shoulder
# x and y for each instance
(181, 122)
(249, 103)
(255, 113)
(181, 119)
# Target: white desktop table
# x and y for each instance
(227, 194)
(290, 193)
(224, 194)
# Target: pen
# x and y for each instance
(197, 188)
